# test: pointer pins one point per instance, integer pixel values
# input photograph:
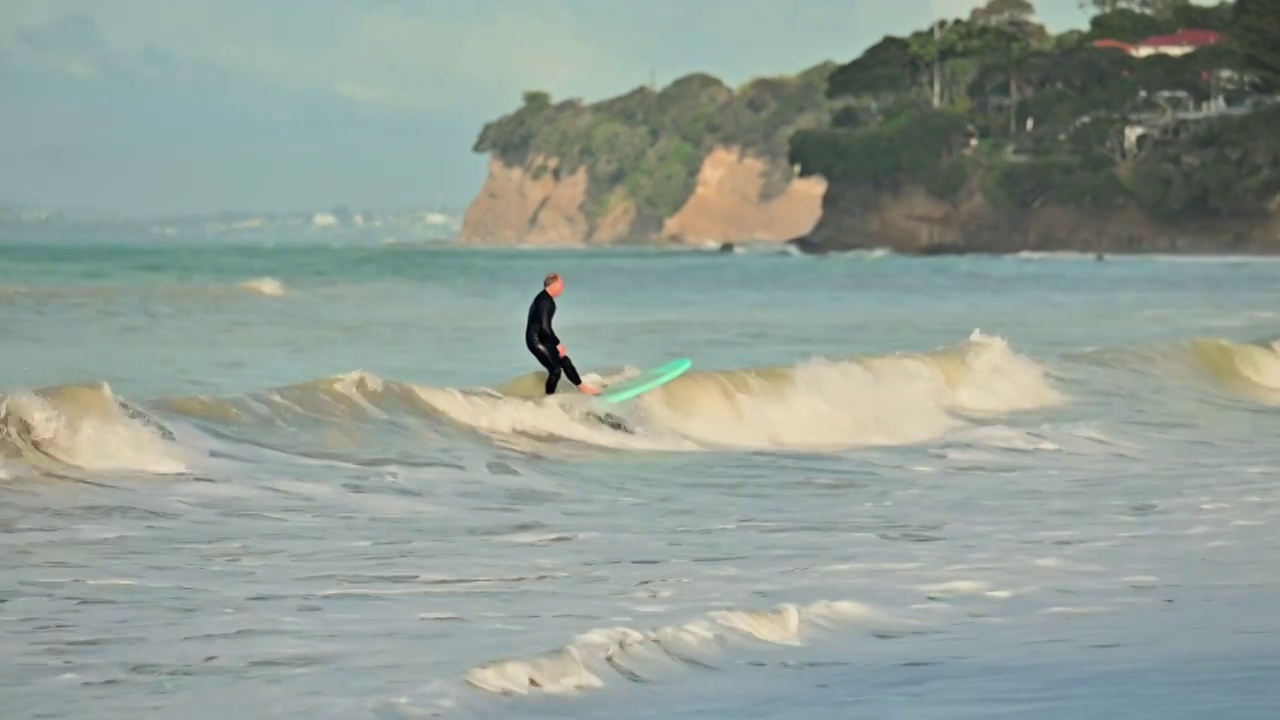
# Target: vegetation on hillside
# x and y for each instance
(1049, 113)
(647, 145)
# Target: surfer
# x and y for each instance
(542, 341)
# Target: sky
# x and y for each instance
(153, 107)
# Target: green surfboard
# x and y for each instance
(645, 381)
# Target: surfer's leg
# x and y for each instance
(553, 379)
(570, 371)
(547, 358)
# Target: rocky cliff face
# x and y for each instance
(521, 205)
(728, 204)
(537, 204)
(913, 222)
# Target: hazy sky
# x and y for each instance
(157, 106)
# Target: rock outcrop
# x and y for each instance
(696, 161)
(729, 204)
(534, 203)
(913, 222)
(519, 205)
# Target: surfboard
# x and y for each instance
(645, 381)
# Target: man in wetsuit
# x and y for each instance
(542, 341)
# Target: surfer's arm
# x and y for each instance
(544, 325)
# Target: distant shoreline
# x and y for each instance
(760, 249)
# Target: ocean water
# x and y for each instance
(321, 482)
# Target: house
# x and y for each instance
(1179, 43)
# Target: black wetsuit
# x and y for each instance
(542, 342)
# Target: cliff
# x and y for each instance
(696, 162)
(991, 136)
(912, 221)
(730, 203)
(1025, 141)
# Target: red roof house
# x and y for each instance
(1179, 43)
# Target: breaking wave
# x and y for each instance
(1249, 367)
(820, 404)
(268, 286)
(1249, 370)
(85, 427)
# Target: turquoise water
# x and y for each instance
(313, 482)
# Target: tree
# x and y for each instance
(1008, 53)
(1183, 13)
(1067, 40)
(1202, 17)
(911, 148)
(1215, 58)
(1255, 33)
(1103, 7)
(926, 47)
(886, 68)
(1163, 9)
(957, 45)
(1091, 75)
(1003, 12)
(536, 99)
(1159, 73)
(1149, 7)
(1125, 25)
(1015, 15)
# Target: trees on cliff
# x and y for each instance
(1255, 26)
(646, 147)
(991, 102)
(1004, 12)
(1065, 104)
(885, 69)
(903, 150)
(1156, 8)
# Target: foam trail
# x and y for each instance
(586, 661)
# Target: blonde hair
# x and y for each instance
(550, 280)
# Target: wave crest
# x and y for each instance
(889, 400)
(820, 404)
(1254, 368)
(1248, 370)
(85, 427)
